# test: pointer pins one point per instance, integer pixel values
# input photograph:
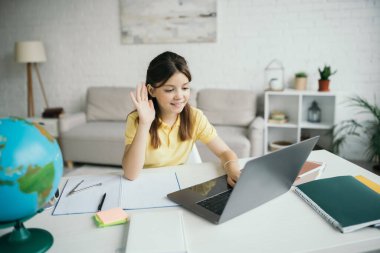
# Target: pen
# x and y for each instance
(98, 184)
(73, 190)
(101, 202)
(56, 195)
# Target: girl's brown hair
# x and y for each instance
(159, 71)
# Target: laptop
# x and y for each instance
(261, 180)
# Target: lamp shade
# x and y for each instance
(30, 51)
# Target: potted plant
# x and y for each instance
(324, 81)
(300, 81)
(369, 130)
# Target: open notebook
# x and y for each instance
(147, 191)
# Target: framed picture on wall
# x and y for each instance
(167, 21)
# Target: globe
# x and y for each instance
(31, 167)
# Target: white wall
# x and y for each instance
(82, 40)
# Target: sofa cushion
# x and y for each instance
(97, 130)
(99, 142)
(234, 137)
(109, 103)
(227, 107)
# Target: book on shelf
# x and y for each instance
(277, 117)
(343, 201)
(310, 171)
(277, 121)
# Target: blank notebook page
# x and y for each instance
(158, 231)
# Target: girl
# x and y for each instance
(164, 127)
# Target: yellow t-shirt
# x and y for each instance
(172, 150)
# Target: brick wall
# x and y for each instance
(82, 40)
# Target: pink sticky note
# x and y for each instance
(112, 215)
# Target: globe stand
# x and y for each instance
(25, 240)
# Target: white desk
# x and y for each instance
(285, 224)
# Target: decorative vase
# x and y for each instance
(276, 85)
(324, 85)
(300, 83)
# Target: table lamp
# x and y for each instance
(31, 53)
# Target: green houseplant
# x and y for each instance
(300, 81)
(324, 81)
(301, 75)
(368, 129)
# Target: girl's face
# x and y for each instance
(173, 95)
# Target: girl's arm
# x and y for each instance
(134, 154)
(228, 159)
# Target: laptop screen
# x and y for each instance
(211, 188)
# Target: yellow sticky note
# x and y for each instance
(374, 186)
(112, 215)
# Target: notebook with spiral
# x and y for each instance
(343, 201)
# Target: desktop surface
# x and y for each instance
(284, 224)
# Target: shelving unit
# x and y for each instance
(295, 105)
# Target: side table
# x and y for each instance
(51, 125)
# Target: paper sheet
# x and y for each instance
(149, 191)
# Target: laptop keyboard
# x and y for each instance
(216, 203)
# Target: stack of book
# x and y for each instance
(277, 118)
(310, 171)
(348, 203)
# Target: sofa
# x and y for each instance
(97, 135)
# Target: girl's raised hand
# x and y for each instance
(144, 106)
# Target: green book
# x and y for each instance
(343, 201)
